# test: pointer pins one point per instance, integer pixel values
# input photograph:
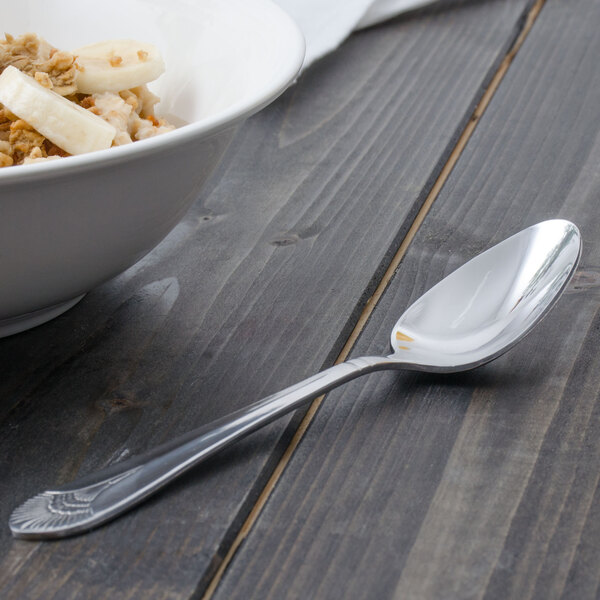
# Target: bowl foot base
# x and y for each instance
(35, 318)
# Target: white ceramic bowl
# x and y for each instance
(68, 225)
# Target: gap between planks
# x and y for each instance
(381, 287)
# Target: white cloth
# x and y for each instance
(327, 23)
(380, 10)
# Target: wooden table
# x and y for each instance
(418, 144)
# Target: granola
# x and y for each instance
(129, 111)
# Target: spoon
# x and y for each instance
(471, 317)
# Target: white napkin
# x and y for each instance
(327, 23)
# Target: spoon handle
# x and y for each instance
(101, 496)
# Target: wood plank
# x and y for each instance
(482, 484)
(257, 288)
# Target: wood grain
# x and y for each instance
(483, 484)
(257, 287)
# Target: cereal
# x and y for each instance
(129, 111)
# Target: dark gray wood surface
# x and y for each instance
(258, 287)
(484, 484)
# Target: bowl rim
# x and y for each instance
(183, 134)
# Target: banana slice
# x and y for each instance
(63, 122)
(116, 65)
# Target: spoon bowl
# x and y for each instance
(472, 316)
(485, 307)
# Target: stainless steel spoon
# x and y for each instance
(472, 316)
